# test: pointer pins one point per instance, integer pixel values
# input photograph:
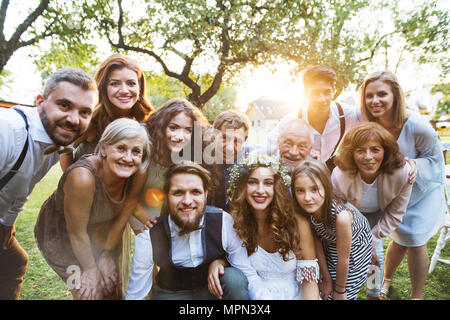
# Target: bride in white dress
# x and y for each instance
(279, 242)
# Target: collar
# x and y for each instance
(36, 129)
(334, 113)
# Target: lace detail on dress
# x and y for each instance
(307, 270)
(277, 275)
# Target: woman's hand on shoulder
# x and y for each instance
(413, 172)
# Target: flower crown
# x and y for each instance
(276, 164)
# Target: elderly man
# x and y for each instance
(294, 143)
(188, 236)
(32, 141)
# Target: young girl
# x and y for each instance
(343, 237)
(279, 243)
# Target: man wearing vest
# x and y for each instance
(187, 237)
(327, 119)
(32, 140)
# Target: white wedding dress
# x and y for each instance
(281, 278)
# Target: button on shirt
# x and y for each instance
(324, 143)
(35, 165)
(187, 251)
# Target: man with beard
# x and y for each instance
(32, 141)
(188, 236)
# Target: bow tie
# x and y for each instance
(60, 149)
(185, 232)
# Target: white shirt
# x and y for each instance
(187, 251)
(35, 164)
(369, 201)
(323, 144)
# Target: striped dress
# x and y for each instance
(360, 250)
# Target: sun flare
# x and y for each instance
(277, 84)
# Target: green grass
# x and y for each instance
(42, 283)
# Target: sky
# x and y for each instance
(25, 81)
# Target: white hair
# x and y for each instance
(295, 123)
(125, 128)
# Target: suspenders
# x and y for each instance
(19, 161)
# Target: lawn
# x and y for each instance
(42, 283)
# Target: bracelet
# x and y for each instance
(345, 291)
(338, 285)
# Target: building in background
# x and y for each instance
(264, 115)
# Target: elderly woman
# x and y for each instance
(80, 225)
(372, 175)
(383, 101)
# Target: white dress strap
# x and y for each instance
(307, 270)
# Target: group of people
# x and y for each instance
(301, 217)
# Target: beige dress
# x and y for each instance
(51, 233)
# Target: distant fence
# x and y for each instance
(9, 104)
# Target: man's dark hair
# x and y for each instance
(74, 76)
(191, 168)
(318, 72)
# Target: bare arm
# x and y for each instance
(113, 232)
(326, 283)
(310, 288)
(343, 245)
(79, 191)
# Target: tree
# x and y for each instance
(161, 88)
(199, 43)
(204, 44)
(443, 106)
(225, 99)
(16, 41)
(339, 34)
(47, 19)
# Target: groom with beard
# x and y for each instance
(187, 237)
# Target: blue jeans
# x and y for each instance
(234, 285)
